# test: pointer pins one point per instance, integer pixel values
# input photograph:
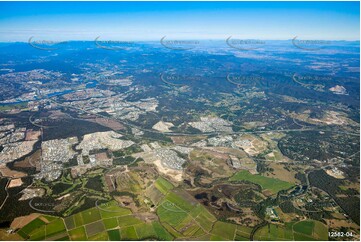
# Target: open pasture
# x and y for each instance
(303, 230)
(184, 216)
(272, 184)
(163, 185)
(102, 222)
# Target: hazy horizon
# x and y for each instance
(147, 21)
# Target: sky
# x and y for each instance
(59, 21)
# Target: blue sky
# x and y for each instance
(181, 20)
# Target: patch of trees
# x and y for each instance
(287, 207)
(60, 187)
(95, 183)
(350, 204)
(302, 177)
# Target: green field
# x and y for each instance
(243, 233)
(110, 223)
(129, 233)
(104, 222)
(94, 228)
(90, 215)
(274, 232)
(311, 228)
(320, 231)
(78, 219)
(226, 231)
(163, 185)
(182, 216)
(161, 232)
(111, 209)
(42, 228)
(303, 230)
(271, 184)
(77, 234)
(27, 229)
(56, 226)
(100, 236)
(114, 234)
(69, 222)
(145, 231)
(38, 234)
(304, 227)
(170, 217)
(128, 220)
(6, 107)
(179, 201)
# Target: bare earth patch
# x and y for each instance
(112, 124)
(279, 172)
(31, 161)
(20, 222)
(172, 173)
(336, 173)
(329, 118)
(6, 172)
(251, 144)
(151, 158)
(186, 139)
(15, 183)
(163, 126)
(32, 135)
